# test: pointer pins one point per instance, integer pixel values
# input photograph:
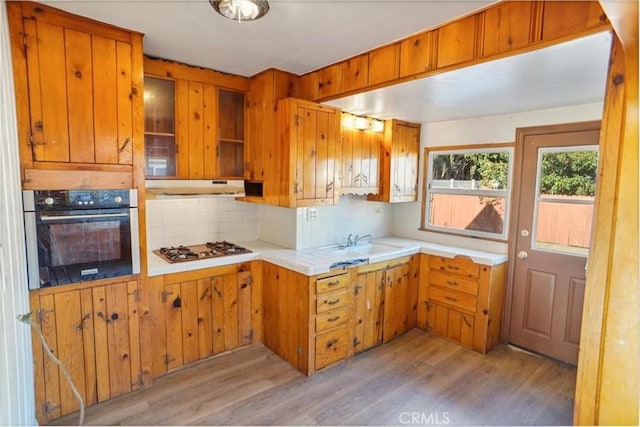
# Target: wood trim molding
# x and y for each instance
(476, 41)
(607, 389)
(165, 68)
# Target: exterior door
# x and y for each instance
(553, 227)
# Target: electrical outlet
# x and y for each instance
(377, 211)
(312, 214)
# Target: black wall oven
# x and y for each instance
(80, 235)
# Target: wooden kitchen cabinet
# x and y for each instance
(308, 319)
(94, 331)
(231, 134)
(77, 110)
(209, 113)
(399, 163)
(360, 167)
(385, 301)
(461, 300)
(307, 138)
(260, 153)
(207, 312)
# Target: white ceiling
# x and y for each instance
(571, 73)
(296, 35)
(303, 35)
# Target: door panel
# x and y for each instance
(538, 312)
(552, 237)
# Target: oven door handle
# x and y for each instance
(86, 216)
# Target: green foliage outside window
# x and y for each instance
(569, 173)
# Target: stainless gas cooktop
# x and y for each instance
(203, 251)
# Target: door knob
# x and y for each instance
(522, 254)
(524, 233)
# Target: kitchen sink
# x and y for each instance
(362, 250)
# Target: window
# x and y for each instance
(467, 191)
(565, 194)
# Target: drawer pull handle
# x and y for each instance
(334, 302)
(332, 343)
(451, 299)
(452, 283)
(333, 319)
(453, 267)
(332, 284)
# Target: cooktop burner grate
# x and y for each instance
(208, 250)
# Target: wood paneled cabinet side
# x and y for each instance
(307, 138)
(461, 300)
(79, 95)
(94, 331)
(399, 163)
(265, 88)
(307, 319)
(385, 301)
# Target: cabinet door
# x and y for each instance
(207, 316)
(80, 93)
(397, 294)
(360, 168)
(117, 339)
(404, 162)
(316, 134)
(230, 155)
(61, 319)
(159, 127)
(453, 324)
(369, 309)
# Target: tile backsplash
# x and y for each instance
(189, 221)
(353, 215)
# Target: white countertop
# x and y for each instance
(313, 261)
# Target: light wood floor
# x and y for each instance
(416, 377)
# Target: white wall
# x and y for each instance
(17, 405)
(482, 130)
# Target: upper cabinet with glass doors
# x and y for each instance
(194, 122)
(159, 128)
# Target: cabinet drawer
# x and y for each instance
(332, 347)
(332, 301)
(453, 282)
(460, 266)
(456, 299)
(331, 319)
(331, 284)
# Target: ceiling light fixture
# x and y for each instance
(241, 10)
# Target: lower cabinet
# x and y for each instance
(202, 313)
(94, 331)
(385, 301)
(461, 300)
(308, 319)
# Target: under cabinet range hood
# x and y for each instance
(172, 188)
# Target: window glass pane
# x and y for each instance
(488, 171)
(564, 206)
(159, 105)
(569, 173)
(468, 212)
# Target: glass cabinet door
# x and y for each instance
(230, 134)
(159, 128)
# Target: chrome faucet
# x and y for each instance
(354, 241)
(358, 238)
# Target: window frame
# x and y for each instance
(427, 191)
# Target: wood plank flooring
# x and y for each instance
(415, 379)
